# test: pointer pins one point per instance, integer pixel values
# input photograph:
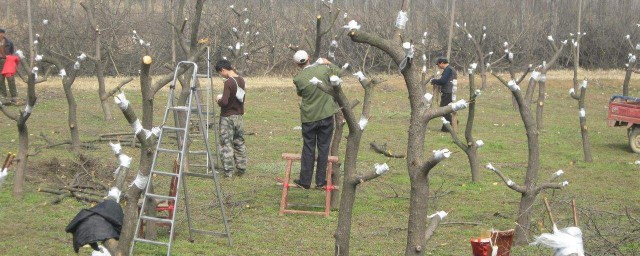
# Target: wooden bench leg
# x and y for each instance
(285, 187)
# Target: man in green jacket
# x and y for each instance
(316, 114)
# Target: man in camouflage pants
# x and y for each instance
(231, 103)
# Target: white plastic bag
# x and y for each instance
(239, 91)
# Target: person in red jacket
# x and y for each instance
(6, 48)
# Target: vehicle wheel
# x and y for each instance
(634, 139)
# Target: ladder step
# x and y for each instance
(179, 108)
(169, 150)
(202, 75)
(171, 128)
(150, 241)
(198, 152)
(155, 219)
(161, 197)
(165, 173)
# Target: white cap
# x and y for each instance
(300, 57)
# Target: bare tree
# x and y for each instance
(586, 147)
(529, 190)
(90, 8)
(21, 119)
(418, 166)
(472, 145)
(62, 63)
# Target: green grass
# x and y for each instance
(603, 189)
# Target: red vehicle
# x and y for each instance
(625, 111)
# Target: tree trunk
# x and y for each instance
(524, 218)
(586, 147)
(452, 21)
(418, 200)
(102, 93)
(540, 105)
(23, 150)
(348, 195)
(335, 151)
(72, 116)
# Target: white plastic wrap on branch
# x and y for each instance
(137, 126)
(28, 109)
(572, 91)
(401, 20)
(246, 21)
(76, 65)
(510, 56)
(352, 25)
(62, 73)
(116, 148)
(363, 122)
(121, 100)
(637, 46)
(3, 175)
(315, 81)
(20, 54)
(381, 168)
(637, 162)
(459, 105)
(239, 45)
(440, 214)
(550, 38)
(101, 252)
(479, 143)
(345, 66)
(565, 242)
(334, 43)
(444, 120)
(627, 37)
(82, 56)
(125, 161)
(115, 194)
(441, 154)
(632, 58)
(469, 36)
(542, 78)
(564, 183)
(510, 183)
(558, 173)
(335, 80)
(147, 133)
(583, 112)
(428, 97)
(583, 84)
(473, 67)
(360, 76)
(490, 167)
(564, 42)
(424, 69)
(478, 92)
(513, 86)
(234, 29)
(38, 58)
(140, 181)
(535, 75)
(408, 49)
(34, 71)
(156, 131)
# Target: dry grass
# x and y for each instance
(90, 83)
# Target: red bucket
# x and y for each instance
(481, 246)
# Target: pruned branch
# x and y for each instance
(382, 149)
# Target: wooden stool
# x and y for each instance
(286, 184)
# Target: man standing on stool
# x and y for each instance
(446, 87)
(6, 48)
(316, 114)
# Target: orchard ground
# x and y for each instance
(606, 190)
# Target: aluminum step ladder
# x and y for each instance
(165, 154)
